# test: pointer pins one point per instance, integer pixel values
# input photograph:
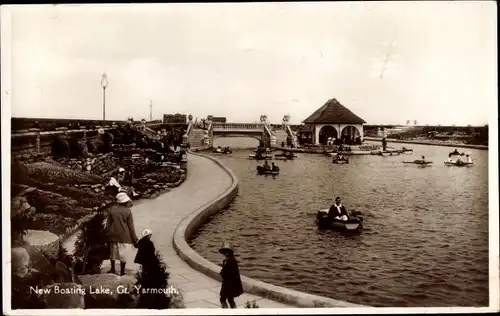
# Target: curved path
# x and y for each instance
(205, 181)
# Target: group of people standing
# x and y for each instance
(122, 239)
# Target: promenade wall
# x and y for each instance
(423, 142)
(190, 224)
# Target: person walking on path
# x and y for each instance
(121, 232)
(231, 281)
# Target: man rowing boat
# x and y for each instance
(420, 161)
(337, 211)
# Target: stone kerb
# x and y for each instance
(192, 222)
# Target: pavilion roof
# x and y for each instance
(332, 112)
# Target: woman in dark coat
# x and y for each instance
(231, 281)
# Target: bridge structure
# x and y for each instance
(252, 130)
(263, 131)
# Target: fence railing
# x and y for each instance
(236, 126)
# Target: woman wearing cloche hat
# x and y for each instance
(230, 273)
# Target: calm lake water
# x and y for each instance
(425, 241)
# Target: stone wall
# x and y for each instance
(192, 222)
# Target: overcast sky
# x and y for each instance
(243, 60)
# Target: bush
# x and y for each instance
(91, 247)
(151, 277)
(177, 301)
(60, 147)
(19, 218)
(251, 304)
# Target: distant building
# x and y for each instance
(218, 119)
(332, 120)
(175, 118)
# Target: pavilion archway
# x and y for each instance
(326, 132)
(350, 132)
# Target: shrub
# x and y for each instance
(151, 277)
(177, 300)
(19, 218)
(251, 304)
(60, 147)
(91, 247)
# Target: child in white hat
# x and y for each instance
(146, 252)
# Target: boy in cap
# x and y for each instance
(121, 232)
(231, 280)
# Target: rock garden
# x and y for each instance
(54, 195)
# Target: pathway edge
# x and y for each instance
(188, 226)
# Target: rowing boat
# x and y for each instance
(353, 224)
(462, 164)
(419, 162)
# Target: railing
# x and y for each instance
(149, 132)
(235, 126)
(291, 135)
(190, 126)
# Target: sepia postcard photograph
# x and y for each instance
(250, 158)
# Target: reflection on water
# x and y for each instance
(425, 241)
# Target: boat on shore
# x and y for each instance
(353, 224)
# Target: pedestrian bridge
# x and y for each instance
(254, 130)
(262, 131)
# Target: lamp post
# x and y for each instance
(104, 84)
(150, 110)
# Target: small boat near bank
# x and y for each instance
(353, 224)
(287, 155)
(220, 150)
(389, 153)
(262, 156)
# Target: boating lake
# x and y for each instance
(425, 237)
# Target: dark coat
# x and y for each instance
(145, 252)
(333, 212)
(120, 225)
(231, 281)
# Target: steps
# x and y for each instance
(195, 138)
(280, 136)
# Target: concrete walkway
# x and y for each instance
(205, 181)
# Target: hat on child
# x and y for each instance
(146, 232)
(226, 247)
(122, 197)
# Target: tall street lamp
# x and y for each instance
(104, 84)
